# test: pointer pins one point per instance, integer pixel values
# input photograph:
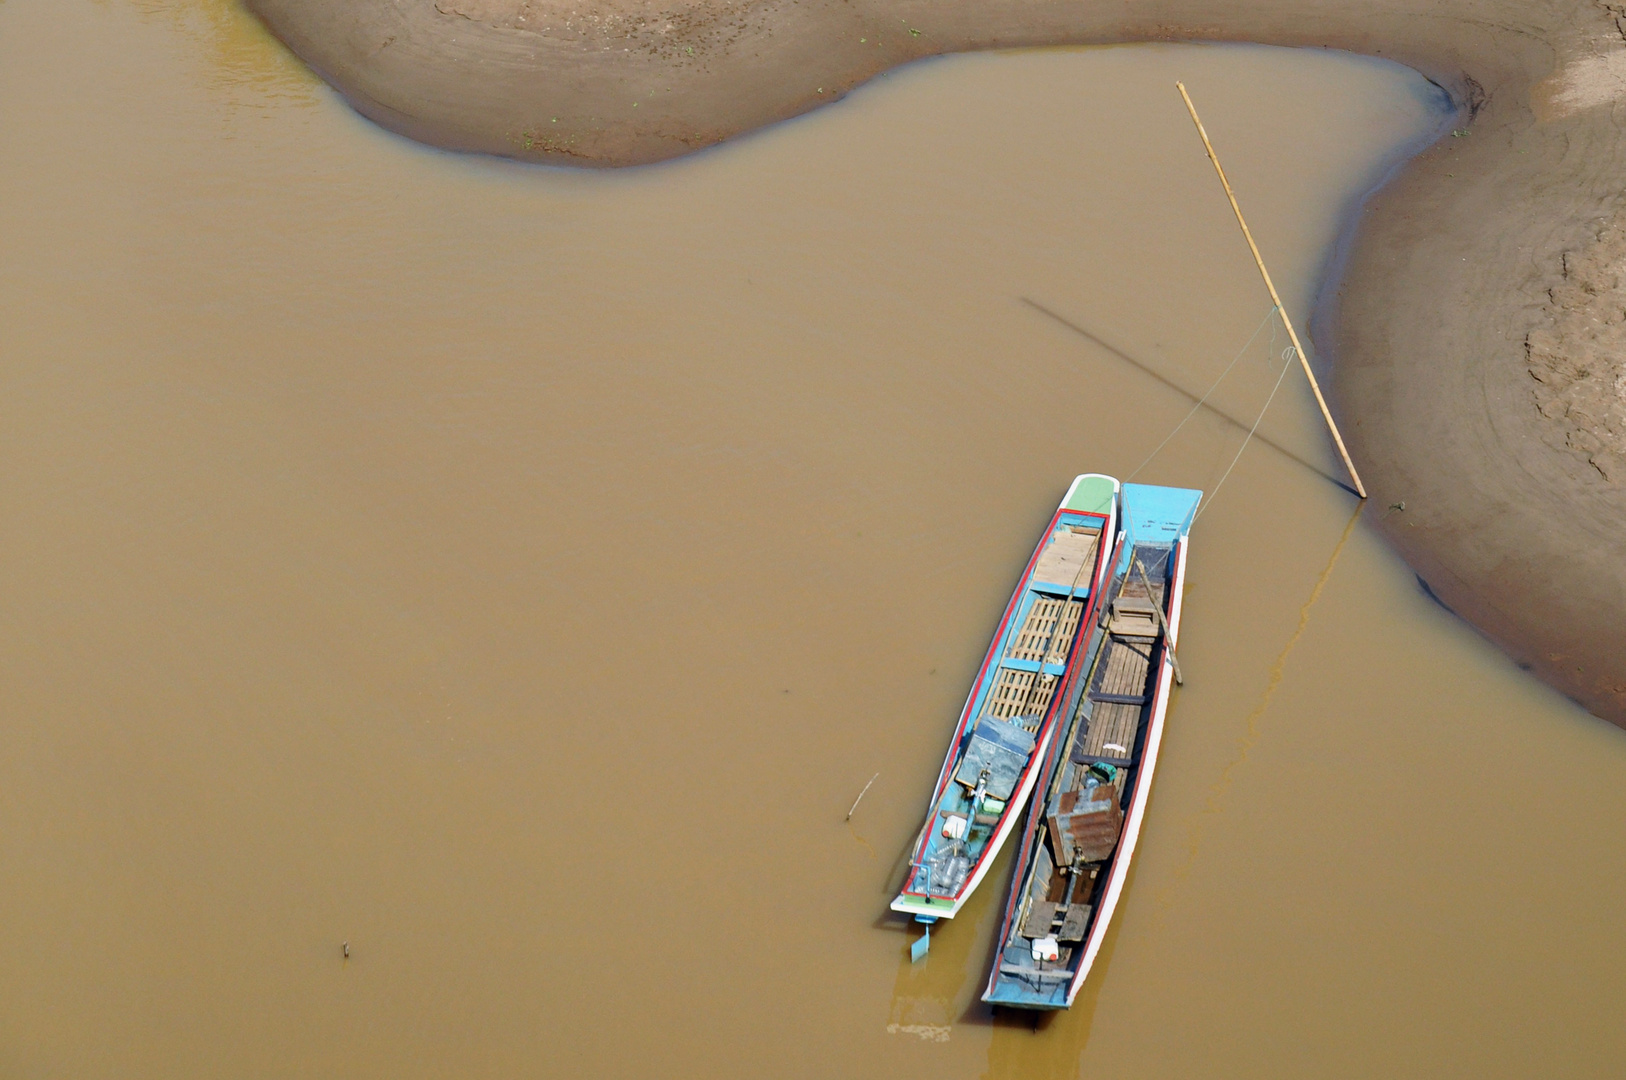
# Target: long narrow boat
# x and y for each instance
(1010, 716)
(1092, 790)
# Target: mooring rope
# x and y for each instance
(1204, 399)
(1288, 355)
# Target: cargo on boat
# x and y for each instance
(1010, 715)
(1092, 788)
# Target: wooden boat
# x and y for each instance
(1092, 789)
(1010, 716)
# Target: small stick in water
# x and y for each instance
(345, 948)
(861, 795)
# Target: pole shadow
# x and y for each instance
(1108, 347)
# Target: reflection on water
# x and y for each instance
(515, 573)
(232, 54)
(1278, 670)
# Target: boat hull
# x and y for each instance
(1033, 984)
(1091, 501)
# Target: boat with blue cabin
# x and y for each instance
(1092, 788)
(1010, 716)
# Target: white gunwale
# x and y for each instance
(936, 907)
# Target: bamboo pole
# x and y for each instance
(1360, 489)
(1163, 624)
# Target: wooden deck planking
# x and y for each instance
(1069, 556)
(1111, 732)
(1014, 695)
(1124, 673)
(1040, 627)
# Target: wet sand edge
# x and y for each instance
(1510, 515)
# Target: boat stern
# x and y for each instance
(927, 908)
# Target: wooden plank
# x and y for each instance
(1040, 627)
(1041, 916)
(1062, 643)
(1030, 640)
(1009, 694)
(1133, 622)
(1074, 923)
(1069, 557)
(1035, 973)
(1014, 696)
(1123, 670)
(1111, 733)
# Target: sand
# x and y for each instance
(1468, 324)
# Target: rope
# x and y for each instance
(1204, 399)
(1287, 363)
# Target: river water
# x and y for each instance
(515, 573)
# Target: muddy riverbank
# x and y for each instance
(1506, 460)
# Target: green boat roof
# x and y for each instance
(1092, 495)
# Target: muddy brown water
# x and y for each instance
(515, 574)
